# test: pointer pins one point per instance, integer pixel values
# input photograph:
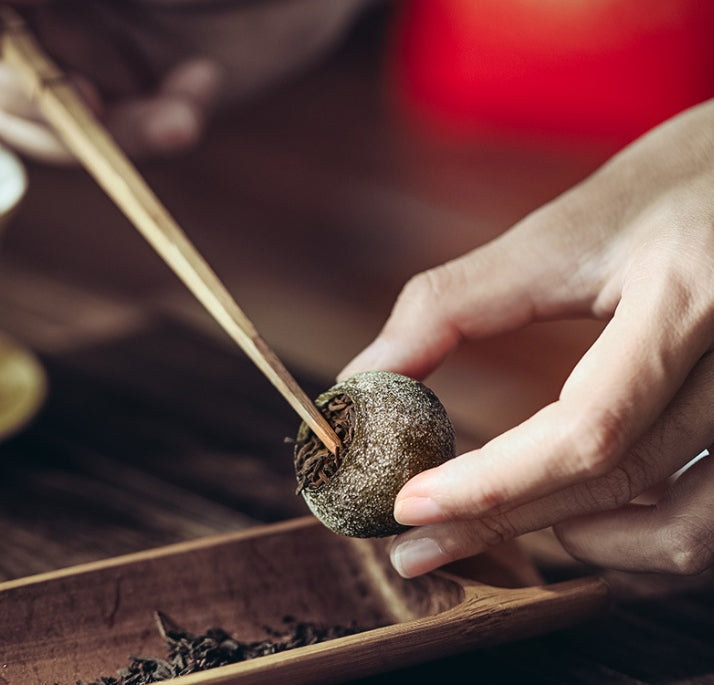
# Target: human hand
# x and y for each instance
(146, 114)
(634, 244)
(154, 70)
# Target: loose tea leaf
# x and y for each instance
(188, 653)
(314, 463)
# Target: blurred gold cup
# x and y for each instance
(23, 382)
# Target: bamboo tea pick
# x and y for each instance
(93, 146)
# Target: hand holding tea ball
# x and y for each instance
(634, 244)
(391, 427)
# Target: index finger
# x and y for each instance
(526, 274)
(675, 530)
(617, 390)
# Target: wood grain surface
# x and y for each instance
(84, 621)
(157, 430)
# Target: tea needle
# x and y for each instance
(94, 147)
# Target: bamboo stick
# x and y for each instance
(93, 146)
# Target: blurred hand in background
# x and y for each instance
(155, 70)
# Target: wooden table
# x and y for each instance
(315, 204)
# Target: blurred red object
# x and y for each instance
(587, 68)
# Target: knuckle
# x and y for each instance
(427, 286)
(597, 442)
(417, 294)
(493, 530)
(689, 547)
(441, 282)
(621, 484)
(610, 491)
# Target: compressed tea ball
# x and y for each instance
(391, 427)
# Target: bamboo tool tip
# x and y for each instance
(332, 442)
(393, 427)
(324, 431)
(97, 151)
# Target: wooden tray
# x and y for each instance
(86, 621)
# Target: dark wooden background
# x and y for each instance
(314, 202)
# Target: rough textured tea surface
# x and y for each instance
(391, 427)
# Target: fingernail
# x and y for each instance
(376, 355)
(414, 557)
(417, 511)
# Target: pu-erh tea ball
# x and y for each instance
(391, 428)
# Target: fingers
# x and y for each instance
(173, 119)
(12, 95)
(618, 390)
(685, 428)
(423, 327)
(528, 273)
(32, 139)
(22, 127)
(196, 80)
(156, 125)
(674, 536)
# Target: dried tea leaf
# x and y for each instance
(392, 427)
(188, 653)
